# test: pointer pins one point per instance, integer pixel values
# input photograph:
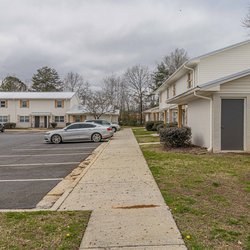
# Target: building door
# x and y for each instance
(45, 121)
(37, 121)
(232, 124)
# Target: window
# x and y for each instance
(3, 118)
(74, 126)
(24, 103)
(174, 89)
(24, 119)
(3, 104)
(59, 118)
(59, 103)
(189, 80)
(78, 118)
(86, 125)
(167, 93)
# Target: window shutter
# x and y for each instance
(20, 103)
(18, 118)
(28, 103)
(55, 103)
(6, 104)
(62, 103)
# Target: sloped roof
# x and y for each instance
(193, 61)
(36, 95)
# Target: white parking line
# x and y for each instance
(39, 164)
(45, 149)
(23, 180)
(5, 156)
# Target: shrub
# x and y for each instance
(176, 137)
(9, 125)
(53, 124)
(159, 127)
(156, 124)
(149, 125)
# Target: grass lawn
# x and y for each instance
(42, 230)
(208, 194)
(143, 136)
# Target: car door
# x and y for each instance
(72, 132)
(86, 130)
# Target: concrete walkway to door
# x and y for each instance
(128, 209)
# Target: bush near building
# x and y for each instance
(176, 137)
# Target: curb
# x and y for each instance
(84, 166)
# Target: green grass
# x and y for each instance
(208, 195)
(142, 131)
(42, 230)
(144, 136)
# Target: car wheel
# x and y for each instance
(96, 137)
(56, 139)
(114, 129)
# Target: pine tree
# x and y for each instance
(13, 84)
(46, 80)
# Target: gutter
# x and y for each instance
(210, 149)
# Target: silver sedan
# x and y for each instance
(79, 132)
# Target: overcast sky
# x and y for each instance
(99, 37)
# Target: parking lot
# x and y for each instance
(30, 168)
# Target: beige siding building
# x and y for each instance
(212, 96)
(40, 109)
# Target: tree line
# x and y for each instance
(129, 92)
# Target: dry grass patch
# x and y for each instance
(208, 194)
(42, 230)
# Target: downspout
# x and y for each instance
(210, 149)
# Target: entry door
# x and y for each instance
(37, 121)
(232, 124)
(45, 122)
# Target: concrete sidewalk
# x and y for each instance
(128, 209)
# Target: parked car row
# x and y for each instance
(90, 130)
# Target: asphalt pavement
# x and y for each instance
(30, 168)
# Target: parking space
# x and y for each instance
(30, 168)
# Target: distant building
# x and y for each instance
(39, 109)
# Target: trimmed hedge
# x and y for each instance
(9, 125)
(156, 124)
(149, 125)
(176, 137)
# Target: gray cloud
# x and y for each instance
(97, 37)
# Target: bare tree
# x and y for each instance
(138, 80)
(168, 66)
(98, 104)
(74, 82)
(246, 20)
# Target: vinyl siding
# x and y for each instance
(237, 86)
(198, 119)
(224, 63)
